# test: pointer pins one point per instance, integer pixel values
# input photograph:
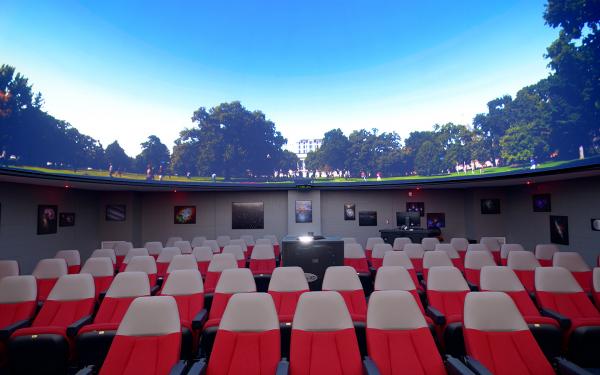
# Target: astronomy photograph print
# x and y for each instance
(47, 219)
(303, 211)
(184, 215)
(349, 211)
(247, 215)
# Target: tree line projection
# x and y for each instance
(556, 118)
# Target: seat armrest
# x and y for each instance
(178, 368)
(282, 367)
(200, 319)
(370, 367)
(456, 367)
(563, 321)
(198, 367)
(476, 366)
(436, 315)
(6, 331)
(154, 289)
(76, 326)
(473, 287)
(88, 370)
(566, 367)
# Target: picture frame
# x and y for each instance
(116, 212)
(66, 219)
(247, 215)
(595, 224)
(490, 206)
(416, 207)
(436, 220)
(367, 218)
(559, 229)
(541, 203)
(349, 211)
(303, 212)
(47, 219)
(184, 215)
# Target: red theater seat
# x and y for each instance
(213, 245)
(399, 243)
(275, 243)
(184, 246)
(237, 252)
(285, 287)
(248, 339)
(596, 286)
(262, 260)
(223, 241)
(145, 264)
(323, 337)
(232, 281)
(429, 243)
(171, 241)
(94, 339)
(371, 242)
(460, 244)
(181, 262)
(241, 243)
(154, 248)
(401, 259)
(249, 240)
(121, 249)
(69, 305)
(378, 253)
(218, 264)
(455, 258)
(344, 280)
(504, 344)
(506, 248)
(8, 268)
(72, 258)
(474, 261)
(544, 254)
(105, 253)
(415, 252)
(435, 259)
(140, 251)
(355, 257)
(148, 340)
(493, 245)
(523, 264)
(398, 338)
(577, 266)
(47, 272)
(102, 270)
(198, 241)
(164, 258)
(203, 256)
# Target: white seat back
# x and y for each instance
(72, 257)
(250, 312)
(492, 312)
(73, 288)
(129, 284)
(499, 279)
(183, 283)
(321, 311)
(16, 289)
(393, 278)
(397, 258)
(394, 310)
(341, 278)
(288, 279)
(98, 267)
(236, 280)
(446, 279)
(50, 269)
(429, 243)
(400, 242)
(151, 316)
(182, 262)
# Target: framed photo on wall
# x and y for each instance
(596, 224)
(303, 211)
(559, 229)
(416, 207)
(490, 206)
(541, 203)
(184, 215)
(115, 212)
(249, 215)
(436, 220)
(47, 219)
(367, 218)
(349, 211)
(66, 219)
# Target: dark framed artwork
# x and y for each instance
(541, 203)
(349, 211)
(66, 219)
(184, 215)
(596, 224)
(303, 211)
(559, 229)
(47, 219)
(250, 215)
(436, 220)
(490, 206)
(416, 207)
(115, 212)
(367, 218)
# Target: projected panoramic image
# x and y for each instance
(398, 93)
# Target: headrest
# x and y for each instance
(397, 258)
(236, 280)
(263, 241)
(341, 278)
(459, 243)
(436, 258)
(477, 247)
(249, 239)
(263, 252)
(71, 256)
(372, 241)
(491, 242)
(122, 247)
(476, 259)
(98, 267)
(379, 250)
(145, 263)
(105, 253)
(9, 268)
(213, 245)
(321, 311)
(183, 283)
(399, 243)
(236, 250)
(250, 312)
(596, 279)
(394, 310)
(545, 251)
(492, 312)
(429, 243)
(184, 246)
(153, 247)
(222, 262)
(393, 278)
(571, 261)
(414, 250)
(449, 249)
(14, 289)
(129, 284)
(508, 247)
(203, 253)
(353, 251)
(150, 316)
(555, 279)
(499, 279)
(446, 279)
(223, 240)
(522, 260)
(348, 240)
(273, 238)
(140, 251)
(73, 288)
(171, 241)
(182, 262)
(241, 243)
(198, 241)
(166, 255)
(50, 269)
(288, 279)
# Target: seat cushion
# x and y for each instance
(285, 304)
(102, 283)
(528, 310)
(584, 279)
(472, 276)
(63, 313)
(262, 266)
(217, 309)
(112, 310)
(189, 306)
(44, 286)
(203, 267)
(359, 264)
(13, 312)
(527, 278)
(451, 304)
(356, 303)
(212, 278)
